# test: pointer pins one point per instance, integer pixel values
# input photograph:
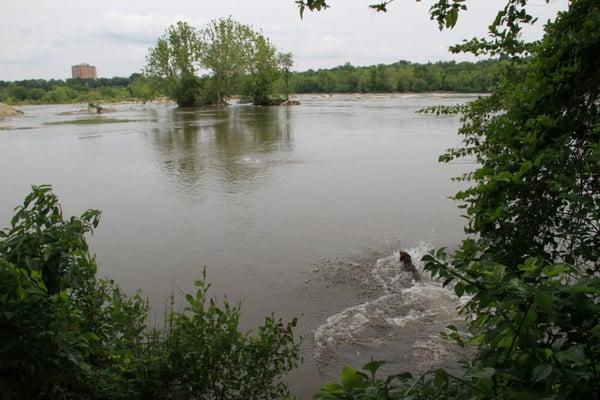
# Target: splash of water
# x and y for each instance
(400, 326)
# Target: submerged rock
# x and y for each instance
(8, 111)
(94, 108)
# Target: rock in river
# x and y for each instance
(8, 111)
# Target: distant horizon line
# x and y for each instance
(295, 71)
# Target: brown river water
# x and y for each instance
(296, 210)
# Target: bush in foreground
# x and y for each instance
(68, 335)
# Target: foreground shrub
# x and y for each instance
(365, 385)
(67, 334)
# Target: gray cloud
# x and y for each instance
(132, 28)
(43, 38)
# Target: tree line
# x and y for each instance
(402, 76)
(399, 77)
(58, 91)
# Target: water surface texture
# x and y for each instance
(279, 203)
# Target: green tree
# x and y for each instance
(402, 76)
(226, 51)
(263, 71)
(173, 62)
(532, 260)
(286, 62)
(142, 88)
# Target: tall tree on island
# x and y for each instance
(263, 71)
(173, 63)
(226, 53)
(286, 62)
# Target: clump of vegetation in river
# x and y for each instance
(530, 263)
(67, 334)
(240, 60)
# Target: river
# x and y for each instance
(294, 210)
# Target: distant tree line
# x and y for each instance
(402, 76)
(57, 91)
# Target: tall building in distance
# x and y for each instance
(84, 71)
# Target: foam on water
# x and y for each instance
(400, 326)
(388, 273)
(252, 161)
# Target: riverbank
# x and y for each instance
(235, 99)
(158, 100)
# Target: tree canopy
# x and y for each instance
(226, 54)
(286, 62)
(402, 76)
(238, 59)
(174, 62)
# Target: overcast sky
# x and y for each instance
(43, 38)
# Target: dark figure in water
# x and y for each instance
(407, 265)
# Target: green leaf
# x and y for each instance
(405, 376)
(371, 392)
(459, 289)
(351, 378)
(441, 377)
(481, 373)
(585, 286)
(596, 331)
(380, 7)
(524, 396)
(504, 176)
(451, 18)
(476, 340)
(481, 173)
(573, 355)
(373, 365)
(544, 301)
(541, 372)
(530, 265)
(554, 270)
(335, 388)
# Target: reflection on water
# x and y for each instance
(259, 196)
(231, 145)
